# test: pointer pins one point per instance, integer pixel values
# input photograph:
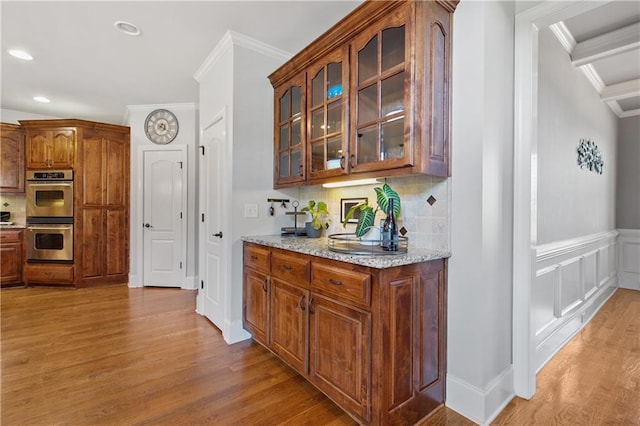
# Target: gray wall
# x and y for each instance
(572, 202)
(628, 184)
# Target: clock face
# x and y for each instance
(161, 126)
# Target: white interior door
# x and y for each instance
(212, 254)
(163, 211)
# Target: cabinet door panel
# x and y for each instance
(11, 262)
(62, 148)
(117, 243)
(340, 340)
(381, 138)
(92, 171)
(117, 178)
(37, 150)
(255, 306)
(12, 160)
(288, 324)
(91, 253)
(437, 58)
(290, 120)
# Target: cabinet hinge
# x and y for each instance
(202, 217)
(180, 265)
(180, 215)
(201, 284)
(180, 162)
(202, 148)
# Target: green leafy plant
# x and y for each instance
(319, 214)
(367, 216)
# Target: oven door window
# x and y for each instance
(44, 241)
(46, 198)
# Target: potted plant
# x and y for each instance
(366, 219)
(320, 218)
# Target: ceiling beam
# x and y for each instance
(623, 90)
(603, 46)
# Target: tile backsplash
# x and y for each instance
(16, 205)
(427, 224)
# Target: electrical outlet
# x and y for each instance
(250, 210)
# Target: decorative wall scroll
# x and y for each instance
(589, 156)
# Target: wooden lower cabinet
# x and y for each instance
(340, 348)
(372, 340)
(289, 324)
(11, 257)
(49, 274)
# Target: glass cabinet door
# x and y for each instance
(327, 94)
(289, 144)
(382, 135)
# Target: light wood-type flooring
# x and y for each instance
(119, 356)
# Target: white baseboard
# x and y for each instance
(134, 281)
(480, 405)
(190, 283)
(234, 332)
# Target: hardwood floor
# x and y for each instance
(119, 356)
(595, 378)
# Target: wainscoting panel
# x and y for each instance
(573, 279)
(629, 258)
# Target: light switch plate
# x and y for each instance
(250, 210)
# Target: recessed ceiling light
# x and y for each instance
(20, 54)
(128, 28)
(41, 99)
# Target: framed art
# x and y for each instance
(346, 204)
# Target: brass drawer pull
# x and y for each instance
(286, 267)
(335, 282)
(301, 303)
(254, 257)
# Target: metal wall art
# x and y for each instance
(589, 156)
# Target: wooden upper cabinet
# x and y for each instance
(327, 119)
(12, 159)
(382, 138)
(51, 148)
(290, 120)
(393, 59)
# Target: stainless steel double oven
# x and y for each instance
(49, 202)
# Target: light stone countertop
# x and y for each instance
(318, 247)
(12, 226)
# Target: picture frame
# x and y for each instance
(346, 204)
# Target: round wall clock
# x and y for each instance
(161, 126)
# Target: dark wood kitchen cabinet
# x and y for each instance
(12, 159)
(376, 96)
(52, 148)
(98, 153)
(372, 340)
(103, 206)
(11, 257)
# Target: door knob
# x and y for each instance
(147, 225)
(218, 234)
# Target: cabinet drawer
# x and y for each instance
(290, 268)
(10, 236)
(343, 283)
(257, 257)
(48, 273)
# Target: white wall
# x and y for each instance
(572, 202)
(234, 79)
(479, 378)
(187, 115)
(12, 116)
(628, 176)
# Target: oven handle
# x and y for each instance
(52, 226)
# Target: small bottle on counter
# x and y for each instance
(390, 229)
